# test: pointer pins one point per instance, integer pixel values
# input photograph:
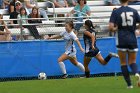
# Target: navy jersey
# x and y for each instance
(88, 41)
(126, 19)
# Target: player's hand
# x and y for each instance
(83, 50)
(93, 47)
(137, 32)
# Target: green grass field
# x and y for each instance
(70, 85)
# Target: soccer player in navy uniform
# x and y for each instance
(91, 49)
(124, 20)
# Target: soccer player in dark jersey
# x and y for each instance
(124, 20)
(91, 49)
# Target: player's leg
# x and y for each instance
(133, 65)
(86, 63)
(104, 61)
(125, 72)
(74, 61)
(62, 58)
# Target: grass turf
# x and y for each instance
(70, 85)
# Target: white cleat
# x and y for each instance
(114, 55)
(129, 87)
(138, 79)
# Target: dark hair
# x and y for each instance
(123, 1)
(23, 8)
(89, 24)
(37, 15)
(70, 22)
(85, 1)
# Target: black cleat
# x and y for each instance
(64, 76)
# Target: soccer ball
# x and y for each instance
(42, 76)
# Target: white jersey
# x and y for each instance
(69, 38)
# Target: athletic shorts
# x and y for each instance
(92, 53)
(130, 48)
(71, 53)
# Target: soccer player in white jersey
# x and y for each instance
(70, 50)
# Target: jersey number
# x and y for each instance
(127, 18)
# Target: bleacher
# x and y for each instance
(99, 15)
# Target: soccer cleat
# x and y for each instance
(129, 87)
(138, 79)
(114, 55)
(64, 76)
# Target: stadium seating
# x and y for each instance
(42, 31)
(99, 15)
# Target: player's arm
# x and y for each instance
(92, 36)
(138, 30)
(79, 44)
(112, 27)
(139, 27)
(54, 37)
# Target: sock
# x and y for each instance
(81, 67)
(87, 74)
(134, 68)
(62, 67)
(126, 75)
(107, 58)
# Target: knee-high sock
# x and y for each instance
(62, 67)
(126, 75)
(134, 68)
(108, 58)
(81, 67)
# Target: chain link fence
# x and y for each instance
(53, 26)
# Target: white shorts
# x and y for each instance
(129, 50)
(71, 53)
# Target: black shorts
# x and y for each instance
(92, 53)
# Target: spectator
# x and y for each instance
(1, 4)
(6, 3)
(32, 29)
(22, 16)
(81, 9)
(49, 4)
(134, 2)
(4, 35)
(60, 3)
(72, 3)
(29, 4)
(112, 2)
(14, 14)
(12, 6)
(35, 14)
